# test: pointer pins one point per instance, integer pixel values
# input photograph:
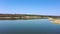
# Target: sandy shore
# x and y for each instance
(56, 21)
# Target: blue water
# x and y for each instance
(37, 26)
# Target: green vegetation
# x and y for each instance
(25, 16)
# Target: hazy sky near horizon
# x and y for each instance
(42, 7)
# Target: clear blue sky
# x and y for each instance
(42, 7)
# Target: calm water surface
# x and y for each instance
(37, 26)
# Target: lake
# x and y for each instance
(34, 26)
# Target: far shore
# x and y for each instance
(54, 19)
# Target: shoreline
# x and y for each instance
(55, 20)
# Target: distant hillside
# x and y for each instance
(16, 15)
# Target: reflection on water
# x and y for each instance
(20, 18)
(37, 26)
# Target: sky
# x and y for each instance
(40, 7)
